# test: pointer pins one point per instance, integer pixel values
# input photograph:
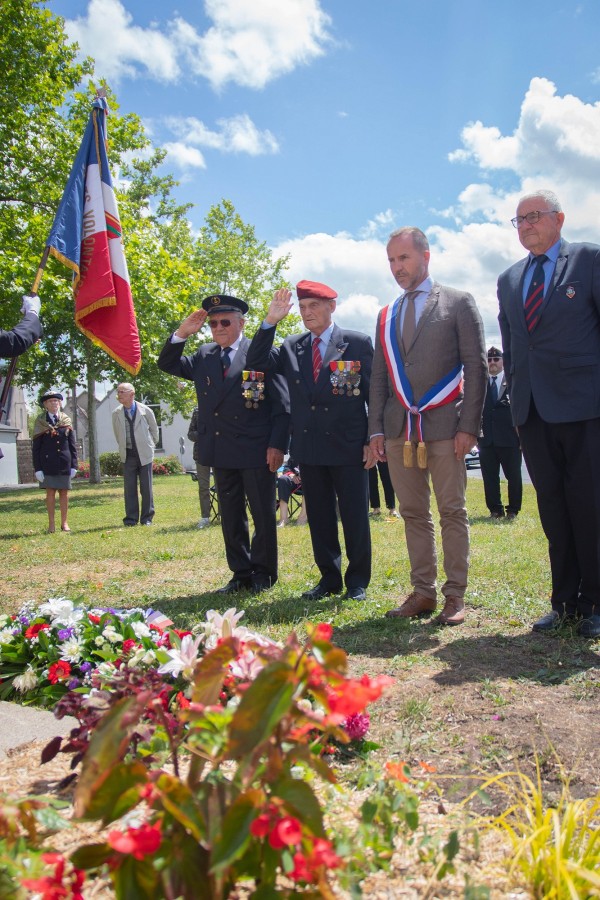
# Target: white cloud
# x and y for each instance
(120, 48)
(555, 145)
(237, 134)
(184, 156)
(249, 44)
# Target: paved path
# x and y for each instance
(22, 724)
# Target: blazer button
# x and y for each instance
(313, 408)
(297, 381)
(326, 409)
(217, 433)
(216, 414)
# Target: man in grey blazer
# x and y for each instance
(550, 324)
(136, 433)
(429, 359)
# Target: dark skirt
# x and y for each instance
(57, 482)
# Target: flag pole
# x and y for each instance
(13, 363)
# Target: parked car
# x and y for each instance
(472, 460)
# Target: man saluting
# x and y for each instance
(327, 370)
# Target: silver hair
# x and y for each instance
(419, 238)
(549, 198)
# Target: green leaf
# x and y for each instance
(235, 830)
(91, 856)
(268, 698)
(108, 744)
(181, 804)
(136, 879)
(300, 799)
(118, 793)
(210, 672)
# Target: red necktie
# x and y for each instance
(317, 359)
(535, 296)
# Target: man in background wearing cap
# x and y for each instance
(136, 431)
(327, 370)
(426, 398)
(26, 333)
(243, 431)
(499, 443)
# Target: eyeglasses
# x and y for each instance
(224, 323)
(494, 358)
(532, 217)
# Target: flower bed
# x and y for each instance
(255, 721)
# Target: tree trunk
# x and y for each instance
(92, 427)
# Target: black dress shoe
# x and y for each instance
(234, 587)
(552, 621)
(317, 593)
(357, 593)
(261, 584)
(589, 627)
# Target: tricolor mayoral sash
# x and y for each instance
(444, 391)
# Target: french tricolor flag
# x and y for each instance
(86, 236)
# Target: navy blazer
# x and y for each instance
(497, 429)
(22, 336)
(230, 436)
(327, 429)
(558, 364)
(55, 452)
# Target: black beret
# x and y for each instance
(223, 303)
(493, 351)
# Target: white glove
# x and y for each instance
(73, 473)
(39, 476)
(31, 304)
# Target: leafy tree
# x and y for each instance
(42, 119)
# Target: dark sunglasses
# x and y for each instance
(224, 323)
(494, 358)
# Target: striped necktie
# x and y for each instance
(317, 359)
(535, 295)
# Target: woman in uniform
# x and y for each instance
(54, 456)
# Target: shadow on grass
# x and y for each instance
(543, 659)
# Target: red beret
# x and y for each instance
(314, 289)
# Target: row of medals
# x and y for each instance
(345, 377)
(253, 387)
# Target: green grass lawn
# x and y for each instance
(177, 567)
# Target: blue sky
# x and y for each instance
(330, 122)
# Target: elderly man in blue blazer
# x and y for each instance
(550, 324)
(328, 371)
(242, 433)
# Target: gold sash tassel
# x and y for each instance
(408, 454)
(422, 455)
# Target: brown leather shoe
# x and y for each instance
(453, 612)
(414, 605)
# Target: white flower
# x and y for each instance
(3, 621)
(71, 650)
(99, 641)
(140, 629)
(25, 682)
(183, 659)
(110, 634)
(6, 636)
(219, 626)
(62, 611)
(149, 657)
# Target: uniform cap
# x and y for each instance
(224, 303)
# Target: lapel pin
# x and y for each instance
(570, 292)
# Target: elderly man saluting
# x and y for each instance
(242, 432)
(327, 370)
(427, 391)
